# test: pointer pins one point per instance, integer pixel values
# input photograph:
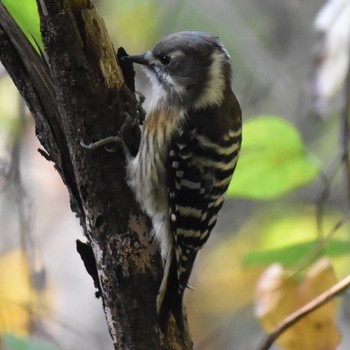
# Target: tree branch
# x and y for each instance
(80, 94)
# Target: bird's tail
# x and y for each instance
(174, 282)
(170, 296)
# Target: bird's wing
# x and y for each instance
(199, 168)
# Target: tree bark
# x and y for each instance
(81, 94)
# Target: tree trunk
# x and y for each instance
(80, 95)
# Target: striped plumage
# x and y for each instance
(187, 155)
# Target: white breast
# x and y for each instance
(146, 172)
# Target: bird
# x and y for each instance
(189, 147)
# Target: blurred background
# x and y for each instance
(283, 233)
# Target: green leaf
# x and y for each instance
(291, 254)
(13, 342)
(273, 160)
(25, 13)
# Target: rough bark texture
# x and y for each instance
(80, 95)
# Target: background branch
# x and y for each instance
(345, 133)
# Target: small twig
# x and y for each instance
(314, 304)
(327, 177)
(308, 258)
(345, 133)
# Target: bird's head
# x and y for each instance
(187, 69)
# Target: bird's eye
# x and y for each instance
(164, 59)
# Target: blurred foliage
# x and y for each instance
(292, 253)
(273, 160)
(18, 297)
(291, 238)
(133, 24)
(283, 234)
(25, 12)
(12, 342)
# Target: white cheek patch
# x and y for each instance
(214, 91)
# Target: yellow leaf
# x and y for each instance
(275, 299)
(277, 296)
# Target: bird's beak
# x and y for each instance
(140, 59)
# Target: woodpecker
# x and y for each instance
(188, 152)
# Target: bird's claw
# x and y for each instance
(102, 143)
(111, 143)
